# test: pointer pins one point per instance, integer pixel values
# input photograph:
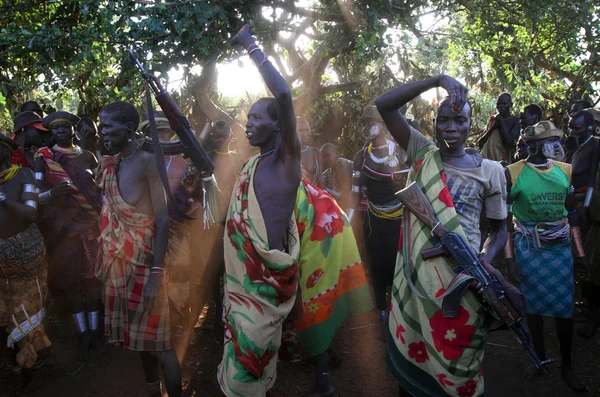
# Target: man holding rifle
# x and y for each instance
(431, 353)
(133, 243)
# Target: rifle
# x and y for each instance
(456, 246)
(177, 121)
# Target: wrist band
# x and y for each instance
(250, 46)
(252, 50)
(588, 197)
(263, 62)
(39, 176)
(157, 268)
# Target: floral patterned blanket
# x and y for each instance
(261, 284)
(332, 278)
(260, 291)
(429, 354)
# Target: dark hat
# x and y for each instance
(4, 140)
(28, 118)
(161, 121)
(371, 112)
(57, 117)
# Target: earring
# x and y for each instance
(128, 139)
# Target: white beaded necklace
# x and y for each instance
(391, 159)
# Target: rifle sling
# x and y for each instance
(159, 157)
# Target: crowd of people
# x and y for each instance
(135, 260)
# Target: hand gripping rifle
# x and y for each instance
(177, 121)
(188, 144)
(456, 246)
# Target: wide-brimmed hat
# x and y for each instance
(161, 122)
(371, 113)
(542, 130)
(28, 118)
(4, 140)
(58, 117)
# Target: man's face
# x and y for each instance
(372, 129)
(260, 127)
(165, 134)
(577, 128)
(526, 119)
(222, 137)
(34, 137)
(303, 130)
(114, 132)
(329, 157)
(503, 105)
(62, 133)
(452, 128)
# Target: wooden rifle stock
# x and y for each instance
(413, 199)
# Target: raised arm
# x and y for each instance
(357, 182)
(389, 103)
(290, 142)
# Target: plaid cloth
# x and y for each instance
(125, 256)
(547, 276)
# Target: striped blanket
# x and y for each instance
(125, 256)
(431, 355)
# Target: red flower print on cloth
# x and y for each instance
(301, 229)
(443, 381)
(417, 165)
(451, 335)
(399, 330)
(328, 216)
(418, 352)
(314, 277)
(444, 194)
(467, 390)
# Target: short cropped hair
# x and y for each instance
(586, 104)
(220, 125)
(535, 110)
(272, 107)
(447, 98)
(588, 118)
(124, 112)
(329, 145)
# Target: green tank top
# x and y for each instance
(539, 195)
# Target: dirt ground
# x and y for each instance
(362, 372)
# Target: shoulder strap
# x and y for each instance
(159, 158)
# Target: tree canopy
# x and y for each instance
(336, 56)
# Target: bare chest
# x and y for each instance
(134, 187)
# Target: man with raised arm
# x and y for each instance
(430, 354)
(282, 233)
(134, 235)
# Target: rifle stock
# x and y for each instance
(413, 198)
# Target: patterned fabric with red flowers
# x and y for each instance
(447, 351)
(260, 291)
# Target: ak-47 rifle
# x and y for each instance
(177, 121)
(456, 246)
